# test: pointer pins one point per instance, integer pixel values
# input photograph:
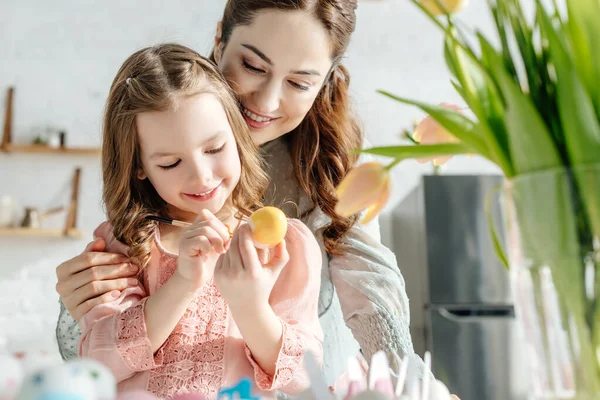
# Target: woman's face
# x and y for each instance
(276, 65)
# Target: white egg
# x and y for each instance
(439, 391)
(67, 381)
(370, 395)
(11, 376)
(33, 361)
(104, 380)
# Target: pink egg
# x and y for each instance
(190, 397)
(136, 395)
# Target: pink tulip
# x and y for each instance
(428, 131)
(366, 186)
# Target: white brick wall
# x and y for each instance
(62, 56)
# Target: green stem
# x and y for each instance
(411, 138)
(420, 151)
(393, 164)
(538, 294)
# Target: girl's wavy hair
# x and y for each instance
(322, 144)
(155, 79)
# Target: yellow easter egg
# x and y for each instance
(269, 225)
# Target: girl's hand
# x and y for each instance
(245, 280)
(200, 245)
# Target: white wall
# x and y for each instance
(62, 55)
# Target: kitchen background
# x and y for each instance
(61, 56)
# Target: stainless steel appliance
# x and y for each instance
(461, 307)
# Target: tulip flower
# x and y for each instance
(449, 6)
(366, 187)
(428, 131)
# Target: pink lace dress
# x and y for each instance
(206, 351)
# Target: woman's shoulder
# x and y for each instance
(302, 273)
(298, 230)
(301, 243)
(105, 231)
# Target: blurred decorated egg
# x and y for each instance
(104, 381)
(136, 395)
(35, 360)
(189, 397)
(11, 376)
(67, 381)
(242, 391)
(269, 226)
(439, 391)
(370, 395)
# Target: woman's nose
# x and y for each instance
(267, 98)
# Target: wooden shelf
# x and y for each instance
(41, 232)
(10, 148)
(6, 146)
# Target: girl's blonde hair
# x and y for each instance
(154, 79)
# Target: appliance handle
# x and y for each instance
(476, 314)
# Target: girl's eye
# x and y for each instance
(299, 86)
(252, 68)
(171, 165)
(217, 150)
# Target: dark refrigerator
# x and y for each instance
(461, 307)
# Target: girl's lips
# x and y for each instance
(204, 197)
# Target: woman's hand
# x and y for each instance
(92, 278)
(200, 245)
(244, 276)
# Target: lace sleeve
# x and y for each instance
(372, 293)
(116, 336)
(295, 301)
(288, 361)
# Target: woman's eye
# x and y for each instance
(170, 166)
(252, 68)
(217, 150)
(299, 86)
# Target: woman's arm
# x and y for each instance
(95, 276)
(372, 294)
(67, 334)
(92, 278)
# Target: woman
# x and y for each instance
(283, 60)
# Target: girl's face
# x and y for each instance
(276, 65)
(190, 156)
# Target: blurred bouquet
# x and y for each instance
(535, 101)
(86, 379)
(377, 381)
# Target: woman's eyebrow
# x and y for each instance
(266, 59)
(258, 53)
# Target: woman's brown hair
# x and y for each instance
(154, 79)
(322, 144)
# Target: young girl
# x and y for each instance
(207, 310)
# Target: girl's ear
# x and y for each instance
(141, 174)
